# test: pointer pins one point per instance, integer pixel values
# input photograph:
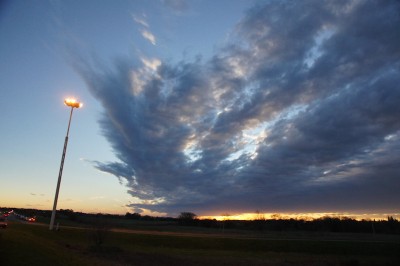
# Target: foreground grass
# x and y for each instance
(26, 244)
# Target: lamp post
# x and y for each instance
(73, 104)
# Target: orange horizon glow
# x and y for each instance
(89, 207)
(301, 216)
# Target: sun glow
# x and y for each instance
(301, 216)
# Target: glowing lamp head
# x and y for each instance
(72, 103)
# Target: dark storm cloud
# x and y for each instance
(300, 113)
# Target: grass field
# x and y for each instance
(29, 244)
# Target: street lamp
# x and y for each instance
(73, 104)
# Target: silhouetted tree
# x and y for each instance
(187, 218)
(69, 213)
(259, 220)
(393, 224)
(133, 216)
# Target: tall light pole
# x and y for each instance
(73, 104)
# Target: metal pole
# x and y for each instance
(53, 214)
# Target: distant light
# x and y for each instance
(72, 103)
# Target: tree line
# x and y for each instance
(390, 225)
(323, 224)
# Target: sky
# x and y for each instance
(213, 107)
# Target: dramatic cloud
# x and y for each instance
(300, 113)
(145, 28)
(149, 36)
(141, 20)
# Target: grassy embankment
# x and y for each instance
(27, 244)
